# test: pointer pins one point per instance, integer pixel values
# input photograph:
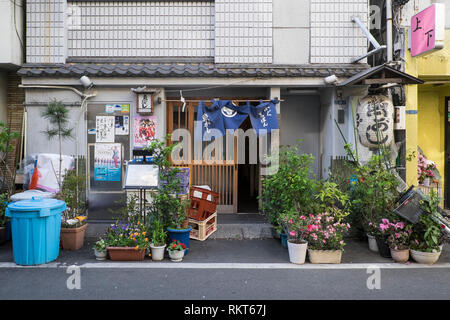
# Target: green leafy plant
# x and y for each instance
(290, 187)
(159, 233)
(331, 199)
(374, 195)
(100, 245)
(6, 146)
(58, 116)
(72, 192)
(167, 203)
(3, 204)
(428, 235)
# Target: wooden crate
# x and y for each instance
(201, 230)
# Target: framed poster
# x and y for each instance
(107, 162)
(144, 103)
(104, 128)
(144, 131)
(141, 176)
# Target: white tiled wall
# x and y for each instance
(141, 29)
(46, 37)
(334, 37)
(243, 31)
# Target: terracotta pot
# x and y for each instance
(425, 257)
(73, 238)
(400, 256)
(325, 256)
(126, 254)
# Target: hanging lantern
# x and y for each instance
(374, 112)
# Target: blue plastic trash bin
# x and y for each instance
(35, 229)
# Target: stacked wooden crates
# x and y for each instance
(203, 213)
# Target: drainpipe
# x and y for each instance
(389, 41)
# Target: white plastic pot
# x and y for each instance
(157, 252)
(372, 243)
(297, 252)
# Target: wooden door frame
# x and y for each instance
(190, 122)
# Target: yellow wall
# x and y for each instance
(427, 128)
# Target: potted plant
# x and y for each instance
(296, 225)
(127, 241)
(158, 243)
(399, 234)
(428, 235)
(176, 250)
(74, 223)
(100, 249)
(374, 196)
(326, 238)
(167, 203)
(425, 170)
(3, 205)
(290, 185)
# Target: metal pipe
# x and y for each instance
(389, 36)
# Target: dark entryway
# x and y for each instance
(248, 178)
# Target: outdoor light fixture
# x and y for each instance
(86, 82)
(330, 79)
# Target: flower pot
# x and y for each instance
(157, 252)
(426, 257)
(297, 252)
(73, 238)
(181, 235)
(383, 247)
(126, 254)
(176, 255)
(400, 256)
(2, 235)
(372, 243)
(325, 256)
(100, 255)
(283, 237)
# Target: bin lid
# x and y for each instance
(28, 194)
(36, 204)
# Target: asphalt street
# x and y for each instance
(58, 282)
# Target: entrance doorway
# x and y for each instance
(231, 180)
(248, 178)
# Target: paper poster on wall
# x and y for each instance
(144, 131)
(125, 108)
(107, 162)
(122, 125)
(104, 126)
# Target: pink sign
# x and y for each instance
(425, 29)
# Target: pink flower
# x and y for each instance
(324, 241)
(302, 218)
(290, 221)
(385, 221)
(400, 225)
(397, 235)
(383, 227)
(293, 233)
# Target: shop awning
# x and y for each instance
(381, 74)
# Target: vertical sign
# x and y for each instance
(428, 30)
